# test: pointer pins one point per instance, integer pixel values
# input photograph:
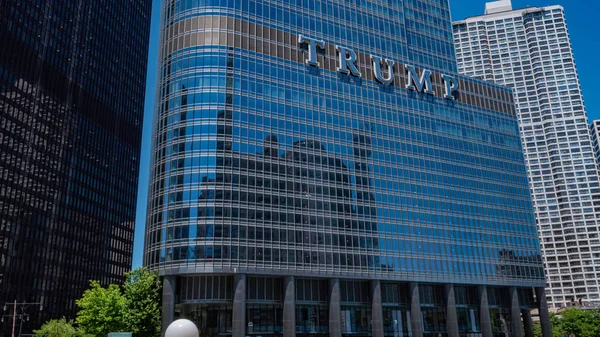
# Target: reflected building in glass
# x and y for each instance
(300, 188)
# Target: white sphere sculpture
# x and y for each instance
(182, 328)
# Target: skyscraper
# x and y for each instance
(595, 133)
(319, 169)
(72, 83)
(530, 51)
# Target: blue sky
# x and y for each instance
(581, 15)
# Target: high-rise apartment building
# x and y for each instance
(595, 133)
(320, 169)
(72, 84)
(529, 50)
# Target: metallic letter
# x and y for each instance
(347, 60)
(312, 49)
(378, 72)
(451, 85)
(416, 83)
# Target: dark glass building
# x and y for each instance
(305, 184)
(72, 83)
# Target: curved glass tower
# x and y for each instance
(320, 169)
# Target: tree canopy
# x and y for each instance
(59, 328)
(573, 322)
(142, 298)
(134, 307)
(102, 310)
(579, 323)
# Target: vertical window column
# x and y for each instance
(467, 310)
(396, 314)
(356, 318)
(312, 301)
(207, 301)
(527, 303)
(500, 301)
(264, 306)
(433, 310)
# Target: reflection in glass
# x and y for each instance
(356, 321)
(312, 320)
(274, 166)
(264, 319)
(501, 325)
(396, 322)
(211, 319)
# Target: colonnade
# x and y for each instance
(377, 321)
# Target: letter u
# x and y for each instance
(378, 72)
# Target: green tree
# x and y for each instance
(142, 298)
(537, 329)
(572, 322)
(58, 328)
(555, 324)
(102, 310)
(595, 321)
(580, 323)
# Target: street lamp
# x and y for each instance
(22, 316)
(182, 328)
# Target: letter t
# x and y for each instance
(312, 49)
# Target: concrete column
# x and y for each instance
(239, 306)
(335, 311)
(168, 302)
(540, 293)
(527, 323)
(484, 313)
(515, 312)
(376, 309)
(451, 316)
(416, 319)
(289, 306)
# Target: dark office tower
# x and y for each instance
(72, 78)
(303, 184)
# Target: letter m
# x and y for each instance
(419, 83)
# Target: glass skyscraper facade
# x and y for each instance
(72, 83)
(530, 51)
(303, 185)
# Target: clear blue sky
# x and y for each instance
(581, 15)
